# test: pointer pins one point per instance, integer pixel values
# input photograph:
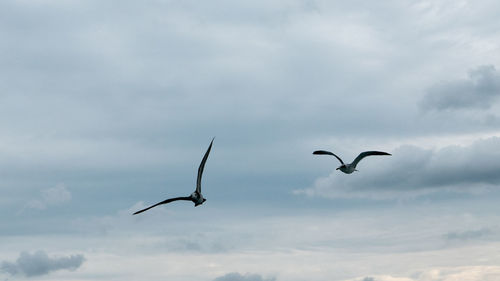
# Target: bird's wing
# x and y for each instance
(367, 153)
(202, 166)
(164, 202)
(324, 152)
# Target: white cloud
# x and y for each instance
(322, 245)
(465, 273)
(382, 278)
(235, 276)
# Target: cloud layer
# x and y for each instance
(235, 276)
(414, 171)
(52, 196)
(470, 273)
(120, 102)
(469, 234)
(39, 263)
(479, 91)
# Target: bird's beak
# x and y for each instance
(337, 168)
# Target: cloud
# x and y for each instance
(234, 276)
(469, 273)
(477, 92)
(383, 278)
(50, 197)
(123, 106)
(39, 263)
(414, 171)
(468, 235)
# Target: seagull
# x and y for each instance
(196, 197)
(349, 168)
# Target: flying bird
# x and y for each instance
(349, 168)
(196, 197)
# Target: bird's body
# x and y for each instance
(196, 197)
(350, 168)
(347, 168)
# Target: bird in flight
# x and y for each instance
(349, 168)
(196, 197)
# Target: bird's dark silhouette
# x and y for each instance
(196, 197)
(349, 168)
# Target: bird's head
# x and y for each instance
(341, 167)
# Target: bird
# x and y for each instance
(349, 168)
(196, 197)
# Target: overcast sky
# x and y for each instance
(107, 107)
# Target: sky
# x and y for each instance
(107, 107)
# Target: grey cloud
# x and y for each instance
(114, 101)
(209, 246)
(39, 263)
(478, 91)
(468, 235)
(51, 196)
(414, 171)
(369, 279)
(234, 276)
(112, 96)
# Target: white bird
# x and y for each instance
(196, 197)
(349, 168)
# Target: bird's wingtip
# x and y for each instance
(138, 212)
